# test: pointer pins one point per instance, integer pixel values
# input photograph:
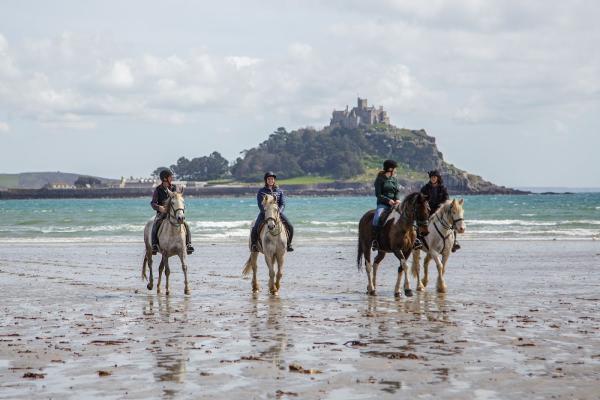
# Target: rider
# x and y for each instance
(437, 194)
(272, 189)
(159, 203)
(387, 191)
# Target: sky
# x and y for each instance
(509, 89)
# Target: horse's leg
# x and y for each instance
(270, 260)
(426, 269)
(416, 269)
(150, 284)
(167, 273)
(378, 258)
(254, 261)
(369, 270)
(161, 268)
(441, 285)
(279, 270)
(400, 257)
(407, 290)
(183, 259)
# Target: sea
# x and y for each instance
(574, 216)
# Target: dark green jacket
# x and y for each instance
(386, 189)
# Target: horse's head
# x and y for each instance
(457, 214)
(269, 203)
(177, 206)
(421, 213)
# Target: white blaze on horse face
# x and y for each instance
(271, 211)
(179, 205)
(458, 214)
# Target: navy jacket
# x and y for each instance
(278, 193)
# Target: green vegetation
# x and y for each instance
(205, 168)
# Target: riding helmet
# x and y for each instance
(268, 174)
(165, 173)
(389, 164)
(434, 172)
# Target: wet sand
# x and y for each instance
(520, 320)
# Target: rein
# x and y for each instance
(446, 225)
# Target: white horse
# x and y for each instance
(273, 237)
(442, 224)
(171, 242)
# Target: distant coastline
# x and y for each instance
(326, 189)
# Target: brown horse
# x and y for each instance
(397, 236)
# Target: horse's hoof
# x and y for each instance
(441, 290)
(149, 286)
(186, 291)
(167, 293)
(420, 289)
(408, 292)
(397, 294)
(372, 293)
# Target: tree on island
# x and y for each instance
(87, 181)
(205, 168)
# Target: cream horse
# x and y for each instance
(442, 225)
(273, 238)
(171, 239)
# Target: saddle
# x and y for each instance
(383, 217)
(259, 241)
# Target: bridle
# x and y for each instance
(413, 204)
(173, 214)
(445, 223)
(276, 230)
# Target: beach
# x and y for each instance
(520, 320)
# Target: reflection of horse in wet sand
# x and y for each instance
(171, 242)
(273, 244)
(442, 224)
(397, 236)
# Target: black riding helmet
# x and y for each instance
(434, 172)
(389, 164)
(268, 174)
(165, 173)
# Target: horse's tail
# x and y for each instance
(144, 264)
(249, 265)
(359, 255)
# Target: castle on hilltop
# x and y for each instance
(362, 114)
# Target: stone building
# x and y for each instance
(362, 114)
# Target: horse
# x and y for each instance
(171, 242)
(273, 244)
(397, 236)
(448, 218)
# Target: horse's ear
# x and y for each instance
(179, 189)
(461, 201)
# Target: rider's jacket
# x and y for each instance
(386, 189)
(278, 193)
(160, 196)
(436, 195)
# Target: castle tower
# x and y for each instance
(361, 103)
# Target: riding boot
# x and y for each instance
(290, 232)
(456, 245)
(375, 236)
(188, 240)
(154, 235)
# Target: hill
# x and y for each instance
(37, 180)
(355, 155)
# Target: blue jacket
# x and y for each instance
(278, 193)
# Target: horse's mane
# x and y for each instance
(407, 201)
(442, 208)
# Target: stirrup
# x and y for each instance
(154, 249)
(289, 247)
(374, 245)
(455, 247)
(254, 248)
(189, 249)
